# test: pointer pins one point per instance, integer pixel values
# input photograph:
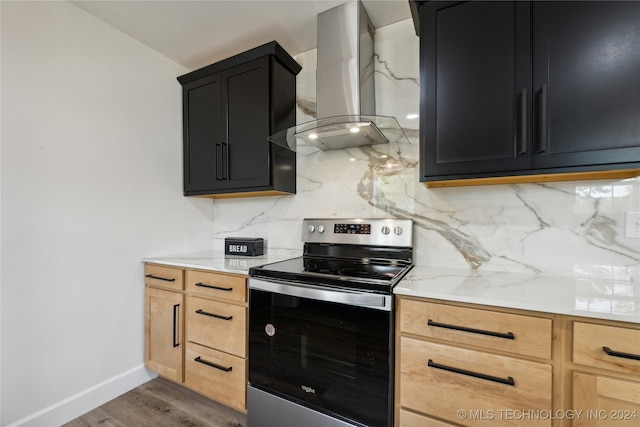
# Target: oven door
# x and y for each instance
(327, 350)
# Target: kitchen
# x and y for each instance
(92, 182)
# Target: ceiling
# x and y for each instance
(198, 33)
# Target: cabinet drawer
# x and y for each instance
(608, 347)
(163, 277)
(217, 325)
(409, 419)
(217, 285)
(513, 333)
(217, 375)
(428, 384)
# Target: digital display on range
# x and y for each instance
(352, 229)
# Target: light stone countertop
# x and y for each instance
(217, 261)
(586, 297)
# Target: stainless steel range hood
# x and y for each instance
(345, 87)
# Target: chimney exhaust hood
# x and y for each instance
(345, 87)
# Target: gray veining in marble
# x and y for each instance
(573, 228)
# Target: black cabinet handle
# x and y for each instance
(151, 276)
(521, 138)
(508, 335)
(507, 381)
(202, 285)
(176, 341)
(217, 316)
(213, 365)
(621, 354)
(542, 125)
(219, 176)
(225, 156)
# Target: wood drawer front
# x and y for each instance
(164, 277)
(217, 285)
(441, 393)
(218, 375)
(217, 325)
(531, 335)
(589, 340)
(410, 419)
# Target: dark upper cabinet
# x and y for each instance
(523, 88)
(586, 58)
(229, 110)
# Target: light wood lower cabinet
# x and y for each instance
(216, 330)
(164, 338)
(613, 348)
(216, 374)
(411, 419)
(605, 401)
(472, 367)
(164, 320)
(196, 331)
(443, 380)
(606, 374)
(469, 365)
(217, 324)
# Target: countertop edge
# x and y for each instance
(571, 296)
(594, 298)
(217, 261)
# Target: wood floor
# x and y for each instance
(161, 403)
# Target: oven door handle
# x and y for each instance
(358, 299)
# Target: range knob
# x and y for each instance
(386, 230)
(321, 229)
(311, 228)
(397, 230)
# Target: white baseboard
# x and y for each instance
(83, 402)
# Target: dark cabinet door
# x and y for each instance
(230, 108)
(475, 87)
(245, 147)
(587, 83)
(203, 129)
(227, 125)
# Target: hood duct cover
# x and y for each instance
(345, 87)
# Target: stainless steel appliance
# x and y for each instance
(345, 87)
(321, 327)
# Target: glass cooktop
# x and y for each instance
(343, 273)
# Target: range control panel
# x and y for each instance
(361, 231)
(352, 228)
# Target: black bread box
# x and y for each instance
(244, 246)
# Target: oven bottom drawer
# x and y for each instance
(443, 380)
(218, 375)
(267, 410)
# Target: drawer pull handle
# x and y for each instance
(213, 365)
(151, 276)
(620, 354)
(507, 381)
(217, 316)
(542, 126)
(521, 139)
(508, 335)
(202, 285)
(176, 341)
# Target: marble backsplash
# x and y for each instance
(565, 228)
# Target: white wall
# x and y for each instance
(91, 168)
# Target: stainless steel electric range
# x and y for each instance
(321, 327)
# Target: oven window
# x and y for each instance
(332, 357)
